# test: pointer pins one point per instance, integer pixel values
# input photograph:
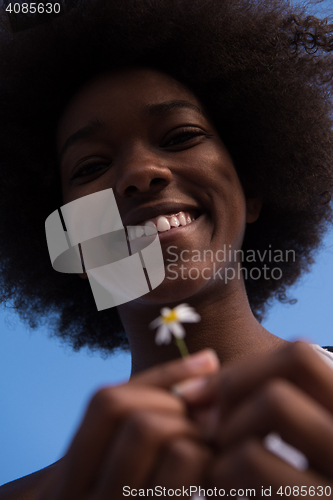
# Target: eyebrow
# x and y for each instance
(96, 125)
(169, 106)
(83, 133)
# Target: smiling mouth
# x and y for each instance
(162, 224)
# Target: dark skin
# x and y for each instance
(209, 431)
(289, 392)
(175, 158)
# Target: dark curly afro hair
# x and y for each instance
(263, 69)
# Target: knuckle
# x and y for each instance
(301, 355)
(238, 467)
(273, 393)
(141, 425)
(182, 450)
(166, 372)
(247, 457)
(274, 398)
(106, 402)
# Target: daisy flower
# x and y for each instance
(169, 324)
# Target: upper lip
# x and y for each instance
(142, 214)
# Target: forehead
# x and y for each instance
(112, 93)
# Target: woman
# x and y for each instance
(219, 114)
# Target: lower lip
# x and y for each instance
(181, 231)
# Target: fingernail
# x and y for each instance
(190, 388)
(204, 360)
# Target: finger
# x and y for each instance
(199, 364)
(106, 410)
(45, 490)
(134, 451)
(182, 464)
(250, 466)
(298, 363)
(110, 405)
(282, 407)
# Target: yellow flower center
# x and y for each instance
(172, 316)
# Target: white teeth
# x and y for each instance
(139, 231)
(182, 218)
(174, 222)
(162, 224)
(150, 228)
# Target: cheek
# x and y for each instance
(220, 191)
(231, 215)
(228, 202)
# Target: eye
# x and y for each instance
(182, 137)
(87, 169)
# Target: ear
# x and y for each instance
(253, 208)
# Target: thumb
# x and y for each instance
(166, 375)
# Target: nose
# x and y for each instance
(142, 174)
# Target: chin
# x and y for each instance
(176, 289)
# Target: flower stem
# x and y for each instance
(182, 347)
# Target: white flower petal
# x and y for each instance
(184, 314)
(188, 314)
(177, 329)
(191, 318)
(165, 311)
(163, 335)
(155, 323)
(185, 311)
(182, 307)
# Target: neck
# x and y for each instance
(227, 325)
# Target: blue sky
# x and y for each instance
(44, 386)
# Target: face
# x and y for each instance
(146, 136)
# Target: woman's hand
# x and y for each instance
(135, 435)
(289, 392)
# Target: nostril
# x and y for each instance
(157, 181)
(131, 189)
(145, 185)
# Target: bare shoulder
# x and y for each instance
(25, 487)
